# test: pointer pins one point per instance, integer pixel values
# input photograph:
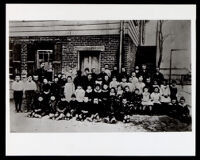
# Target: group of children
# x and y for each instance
(109, 96)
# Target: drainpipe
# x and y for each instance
(120, 47)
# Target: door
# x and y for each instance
(46, 57)
(89, 59)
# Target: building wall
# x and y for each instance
(68, 48)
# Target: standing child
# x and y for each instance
(134, 78)
(69, 89)
(114, 83)
(17, 87)
(131, 84)
(140, 85)
(124, 82)
(146, 101)
(119, 92)
(155, 97)
(105, 97)
(165, 96)
(80, 94)
(89, 93)
(173, 90)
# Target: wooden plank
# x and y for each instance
(65, 33)
(65, 28)
(59, 23)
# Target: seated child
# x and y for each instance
(125, 110)
(97, 93)
(38, 107)
(89, 93)
(96, 107)
(80, 94)
(146, 101)
(131, 84)
(84, 113)
(60, 110)
(184, 111)
(155, 97)
(140, 84)
(127, 94)
(73, 104)
(119, 92)
(111, 108)
(52, 107)
(173, 108)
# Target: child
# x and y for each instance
(106, 80)
(61, 107)
(127, 94)
(155, 84)
(184, 111)
(165, 96)
(73, 104)
(137, 71)
(89, 93)
(46, 86)
(134, 78)
(52, 107)
(97, 93)
(55, 88)
(148, 84)
(131, 84)
(125, 110)
(173, 108)
(84, 109)
(105, 96)
(111, 108)
(119, 92)
(69, 88)
(146, 101)
(95, 111)
(17, 87)
(99, 81)
(137, 99)
(123, 83)
(80, 94)
(155, 97)
(173, 90)
(37, 107)
(29, 88)
(140, 85)
(114, 83)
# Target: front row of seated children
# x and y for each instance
(108, 105)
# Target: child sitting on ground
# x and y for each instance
(173, 108)
(52, 107)
(127, 94)
(125, 110)
(96, 107)
(61, 107)
(73, 104)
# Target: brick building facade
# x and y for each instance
(87, 47)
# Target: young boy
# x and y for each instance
(95, 110)
(124, 82)
(61, 108)
(80, 94)
(84, 113)
(134, 78)
(184, 111)
(97, 93)
(73, 105)
(89, 93)
(17, 87)
(127, 94)
(173, 108)
(173, 90)
(125, 110)
(69, 88)
(137, 99)
(52, 107)
(29, 88)
(55, 88)
(131, 84)
(105, 97)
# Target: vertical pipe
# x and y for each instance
(170, 67)
(120, 47)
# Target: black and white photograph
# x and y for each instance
(100, 76)
(100, 79)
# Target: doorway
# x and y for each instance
(89, 59)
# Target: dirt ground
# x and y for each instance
(19, 122)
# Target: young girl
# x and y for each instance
(155, 97)
(80, 94)
(131, 84)
(137, 99)
(69, 88)
(146, 101)
(124, 82)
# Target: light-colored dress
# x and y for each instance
(69, 90)
(165, 94)
(146, 100)
(140, 86)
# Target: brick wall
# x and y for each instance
(69, 54)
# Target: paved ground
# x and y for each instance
(139, 123)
